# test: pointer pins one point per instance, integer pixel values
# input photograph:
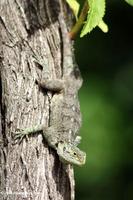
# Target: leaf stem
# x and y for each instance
(79, 23)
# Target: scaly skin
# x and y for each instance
(68, 153)
(65, 116)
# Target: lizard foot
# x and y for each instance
(20, 134)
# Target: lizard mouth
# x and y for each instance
(70, 154)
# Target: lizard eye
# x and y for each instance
(74, 154)
(64, 148)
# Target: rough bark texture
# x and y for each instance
(30, 170)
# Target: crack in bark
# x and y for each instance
(3, 115)
(62, 51)
(5, 27)
(27, 177)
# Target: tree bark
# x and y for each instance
(31, 169)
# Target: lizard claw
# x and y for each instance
(19, 135)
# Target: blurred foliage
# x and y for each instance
(106, 63)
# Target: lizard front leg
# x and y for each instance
(49, 133)
(55, 85)
(21, 133)
(68, 153)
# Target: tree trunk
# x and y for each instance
(31, 169)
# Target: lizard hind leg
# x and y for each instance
(54, 85)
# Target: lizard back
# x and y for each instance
(65, 108)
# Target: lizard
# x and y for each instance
(65, 120)
(65, 117)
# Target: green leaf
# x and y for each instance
(129, 2)
(103, 26)
(95, 15)
(74, 5)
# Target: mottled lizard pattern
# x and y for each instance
(65, 116)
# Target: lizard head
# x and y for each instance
(71, 154)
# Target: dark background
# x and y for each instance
(106, 63)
